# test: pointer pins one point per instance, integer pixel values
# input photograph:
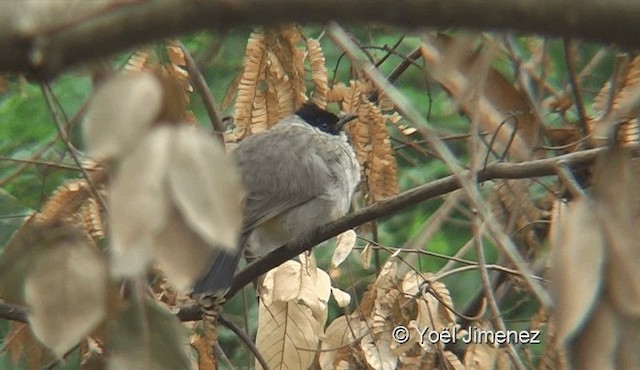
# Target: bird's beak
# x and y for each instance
(344, 119)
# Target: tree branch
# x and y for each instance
(12, 312)
(45, 48)
(386, 207)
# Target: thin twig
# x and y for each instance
(245, 339)
(48, 96)
(390, 51)
(569, 181)
(207, 98)
(40, 163)
(575, 87)
(488, 291)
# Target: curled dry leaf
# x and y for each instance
(119, 113)
(177, 199)
(343, 298)
(65, 288)
(577, 262)
(339, 333)
(145, 336)
(377, 352)
(344, 245)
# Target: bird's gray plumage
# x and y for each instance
(298, 177)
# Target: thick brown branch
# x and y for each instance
(12, 312)
(537, 168)
(46, 51)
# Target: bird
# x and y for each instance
(298, 175)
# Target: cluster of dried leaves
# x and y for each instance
(163, 198)
(273, 85)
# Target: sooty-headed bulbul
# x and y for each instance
(298, 175)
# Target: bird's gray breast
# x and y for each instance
(297, 178)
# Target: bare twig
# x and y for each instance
(207, 98)
(569, 181)
(488, 291)
(575, 87)
(245, 339)
(64, 136)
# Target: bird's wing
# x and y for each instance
(282, 177)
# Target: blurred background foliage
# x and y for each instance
(27, 133)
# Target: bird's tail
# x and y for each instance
(219, 278)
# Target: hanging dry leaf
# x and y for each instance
(334, 349)
(119, 113)
(616, 197)
(344, 245)
(292, 314)
(342, 298)
(147, 337)
(377, 352)
(139, 204)
(318, 73)
(461, 69)
(177, 198)
(578, 257)
(65, 289)
(205, 187)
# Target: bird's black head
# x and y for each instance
(322, 119)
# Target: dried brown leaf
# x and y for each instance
(318, 73)
(577, 258)
(292, 313)
(342, 298)
(628, 356)
(287, 335)
(377, 352)
(254, 69)
(458, 66)
(20, 343)
(139, 204)
(337, 335)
